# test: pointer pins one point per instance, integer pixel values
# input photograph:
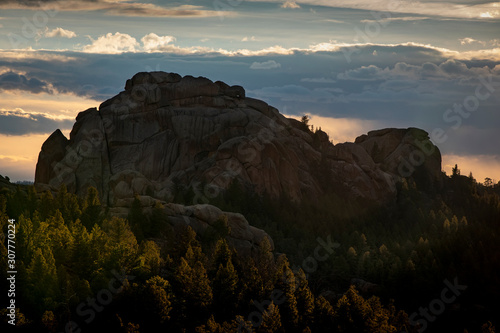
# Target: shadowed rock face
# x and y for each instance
(165, 130)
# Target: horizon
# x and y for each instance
(353, 66)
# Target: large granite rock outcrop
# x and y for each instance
(164, 130)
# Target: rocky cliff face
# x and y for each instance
(165, 130)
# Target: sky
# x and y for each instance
(352, 65)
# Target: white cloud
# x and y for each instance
(59, 32)
(468, 40)
(112, 44)
(246, 39)
(395, 19)
(290, 4)
(119, 43)
(270, 64)
(486, 15)
(334, 21)
(152, 42)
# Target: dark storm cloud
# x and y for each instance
(19, 122)
(14, 81)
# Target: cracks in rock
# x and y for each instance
(109, 158)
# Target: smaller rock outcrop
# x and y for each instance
(242, 236)
(406, 153)
(53, 150)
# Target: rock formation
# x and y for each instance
(165, 130)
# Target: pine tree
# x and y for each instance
(32, 201)
(68, 204)
(286, 282)
(49, 321)
(157, 299)
(351, 312)
(323, 314)
(225, 286)
(24, 239)
(201, 290)
(60, 238)
(149, 261)
(265, 264)
(185, 238)
(122, 245)
(271, 320)
(193, 290)
(210, 327)
(43, 282)
(305, 300)
(222, 253)
(91, 209)
(253, 287)
(46, 205)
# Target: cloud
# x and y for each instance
(19, 122)
(116, 8)
(112, 44)
(150, 10)
(469, 9)
(365, 73)
(246, 39)
(396, 19)
(295, 93)
(317, 80)
(468, 40)
(121, 42)
(334, 21)
(152, 42)
(270, 64)
(59, 32)
(13, 81)
(450, 69)
(489, 15)
(290, 4)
